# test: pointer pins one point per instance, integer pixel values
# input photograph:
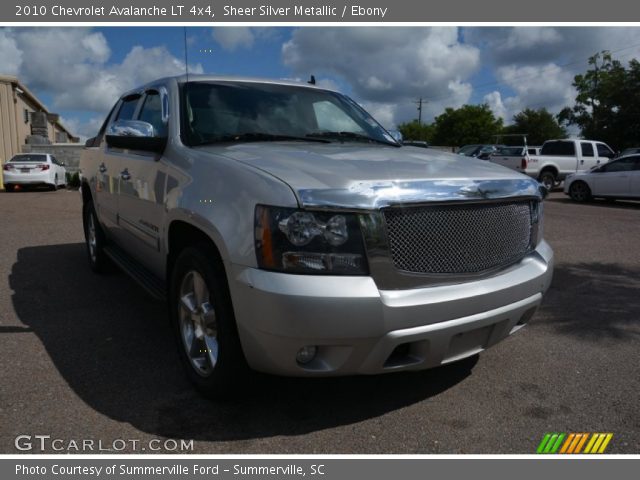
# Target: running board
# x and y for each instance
(147, 280)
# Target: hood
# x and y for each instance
(365, 175)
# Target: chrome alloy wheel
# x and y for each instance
(92, 239)
(579, 191)
(198, 326)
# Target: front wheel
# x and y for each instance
(94, 239)
(203, 321)
(579, 192)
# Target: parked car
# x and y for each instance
(558, 158)
(514, 158)
(290, 234)
(619, 178)
(629, 151)
(31, 169)
(479, 151)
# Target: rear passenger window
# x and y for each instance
(558, 148)
(587, 149)
(128, 108)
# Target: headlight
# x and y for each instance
(537, 222)
(300, 241)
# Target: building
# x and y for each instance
(25, 120)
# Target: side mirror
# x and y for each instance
(396, 135)
(135, 135)
(62, 164)
(89, 142)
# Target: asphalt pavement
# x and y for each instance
(89, 357)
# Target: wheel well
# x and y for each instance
(550, 169)
(86, 193)
(182, 235)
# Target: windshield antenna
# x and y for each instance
(186, 58)
(312, 80)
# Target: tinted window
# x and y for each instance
(128, 108)
(604, 151)
(220, 111)
(152, 113)
(558, 148)
(587, 149)
(622, 165)
(636, 166)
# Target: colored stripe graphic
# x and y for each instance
(543, 443)
(581, 443)
(572, 443)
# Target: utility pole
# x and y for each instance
(419, 103)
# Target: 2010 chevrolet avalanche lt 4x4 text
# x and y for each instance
(291, 234)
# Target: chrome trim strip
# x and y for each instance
(380, 194)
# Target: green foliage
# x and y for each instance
(414, 131)
(465, 125)
(73, 181)
(539, 125)
(607, 103)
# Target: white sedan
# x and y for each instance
(616, 179)
(33, 169)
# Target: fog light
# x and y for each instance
(306, 354)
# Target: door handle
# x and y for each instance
(125, 175)
(102, 168)
(581, 162)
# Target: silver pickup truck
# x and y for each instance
(290, 234)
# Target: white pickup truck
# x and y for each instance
(558, 158)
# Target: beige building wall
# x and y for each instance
(15, 99)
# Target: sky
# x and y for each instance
(79, 72)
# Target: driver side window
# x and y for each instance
(152, 113)
(622, 165)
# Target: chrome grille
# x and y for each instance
(458, 239)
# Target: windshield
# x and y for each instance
(29, 158)
(242, 111)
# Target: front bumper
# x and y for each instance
(360, 329)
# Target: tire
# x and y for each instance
(548, 179)
(8, 188)
(94, 239)
(204, 325)
(580, 192)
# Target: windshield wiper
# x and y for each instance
(260, 137)
(351, 136)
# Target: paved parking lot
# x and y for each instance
(91, 357)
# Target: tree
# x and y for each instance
(465, 125)
(607, 102)
(416, 131)
(539, 125)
